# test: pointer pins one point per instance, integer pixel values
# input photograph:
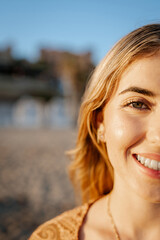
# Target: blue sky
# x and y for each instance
(74, 25)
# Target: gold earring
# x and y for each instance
(100, 134)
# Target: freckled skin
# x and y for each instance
(130, 130)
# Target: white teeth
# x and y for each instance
(159, 166)
(147, 162)
(138, 158)
(143, 160)
(153, 164)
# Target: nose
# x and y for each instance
(153, 136)
(153, 133)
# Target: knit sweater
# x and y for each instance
(63, 227)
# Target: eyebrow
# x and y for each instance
(138, 90)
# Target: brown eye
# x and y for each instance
(138, 105)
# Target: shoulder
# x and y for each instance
(65, 226)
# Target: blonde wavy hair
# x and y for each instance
(90, 169)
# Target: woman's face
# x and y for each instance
(132, 129)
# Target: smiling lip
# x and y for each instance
(145, 169)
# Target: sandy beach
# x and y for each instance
(34, 185)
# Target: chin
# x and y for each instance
(150, 196)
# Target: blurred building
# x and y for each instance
(44, 93)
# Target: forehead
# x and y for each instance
(144, 73)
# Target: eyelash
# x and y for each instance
(132, 102)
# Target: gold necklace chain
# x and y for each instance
(112, 220)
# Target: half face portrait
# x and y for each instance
(132, 129)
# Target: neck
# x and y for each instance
(140, 216)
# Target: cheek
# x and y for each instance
(122, 131)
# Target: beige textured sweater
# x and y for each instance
(64, 227)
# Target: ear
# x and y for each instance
(99, 119)
(101, 133)
(100, 128)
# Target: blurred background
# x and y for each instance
(48, 50)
